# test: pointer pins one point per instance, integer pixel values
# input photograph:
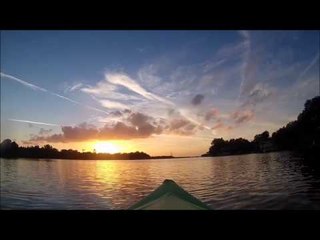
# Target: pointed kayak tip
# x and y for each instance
(169, 196)
(168, 181)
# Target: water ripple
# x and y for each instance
(255, 181)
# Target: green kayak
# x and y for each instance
(169, 196)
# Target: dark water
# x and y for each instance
(255, 181)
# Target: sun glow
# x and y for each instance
(106, 147)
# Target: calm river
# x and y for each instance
(254, 181)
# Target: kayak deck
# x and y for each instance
(169, 196)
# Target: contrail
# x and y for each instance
(310, 65)
(246, 43)
(36, 88)
(78, 103)
(33, 122)
(184, 114)
(29, 85)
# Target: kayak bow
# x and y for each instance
(169, 196)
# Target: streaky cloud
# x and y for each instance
(113, 105)
(127, 82)
(75, 87)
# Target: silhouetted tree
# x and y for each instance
(302, 135)
(11, 149)
(219, 146)
(261, 137)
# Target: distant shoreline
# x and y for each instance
(90, 159)
(146, 159)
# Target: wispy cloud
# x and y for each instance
(241, 116)
(102, 88)
(73, 87)
(37, 88)
(129, 83)
(76, 86)
(112, 105)
(32, 122)
(126, 81)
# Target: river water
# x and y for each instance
(254, 181)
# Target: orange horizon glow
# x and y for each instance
(106, 147)
(154, 146)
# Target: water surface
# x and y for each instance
(254, 181)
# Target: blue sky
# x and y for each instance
(146, 87)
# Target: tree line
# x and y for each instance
(10, 149)
(301, 135)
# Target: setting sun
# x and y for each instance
(106, 147)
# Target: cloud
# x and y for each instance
(241, 116)
(197, 99)
(43, 131)
(119, 91)
(73, 87)
(257, 94)
(221, 125)
(101, 89)
(212, 113)
(121, 79)
(76, 86)
(80, 133)
(133, 125)
(118, 113)
(32, 122)
(119, 130)
(148, 76)
(181, 127)
(137, 118)
(112, 105)
(127, 82)
(217, 126)
(137, 125)
(146, 125)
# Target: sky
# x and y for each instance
(161, 92)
